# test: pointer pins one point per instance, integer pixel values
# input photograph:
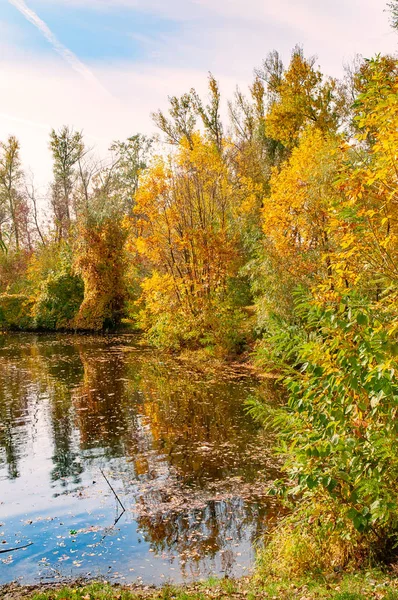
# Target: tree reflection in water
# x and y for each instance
(189, 461)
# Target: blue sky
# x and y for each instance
(104, 65)
(118, 33)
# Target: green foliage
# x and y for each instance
(223, 328)
(132, 156)
(218, 328)
(56, 291)
(344, 405)
(169, 330)
(280, 342)
(42, 291)
(16, 311)
(338, 432)
(67, 149)
(59, 300)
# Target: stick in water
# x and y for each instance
(116, 496)
(18, 548)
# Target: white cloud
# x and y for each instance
(222, 34)
(49, 95)
(228, 37)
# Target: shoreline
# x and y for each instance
(204, 361)
(358, 585)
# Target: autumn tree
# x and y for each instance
(296, 218)
(299, 96)
(105, 198)
(99, 262)
(186, 215)
(366, 225)
(253, 152)
(331, 222)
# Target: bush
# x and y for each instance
(16, 311)
(223, 328)
(57, 291)
(339, 431)
(100, 261)
(218, 328)
(59, 300)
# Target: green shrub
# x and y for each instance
(59, 300)
(338, 433)
(16, 311)
(57, 290)
(218, 328)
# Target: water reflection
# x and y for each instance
(178, 447)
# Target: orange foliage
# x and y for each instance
(186, 214)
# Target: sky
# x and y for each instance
(102, 66)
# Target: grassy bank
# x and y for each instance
(364, 585)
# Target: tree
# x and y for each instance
(67, 148)
(271, 73)
(13, 207)
(131, 159)
(296, 216)
(181, 123)
(393, 6)
(186, 211)
(184, 112)
(99, 251)
(298, 97)
(210, 114)
(99, 262)
(366, 225)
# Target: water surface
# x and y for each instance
(186, 462)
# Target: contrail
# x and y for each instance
(24, 121)
(62, 50)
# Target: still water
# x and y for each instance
(187, 465)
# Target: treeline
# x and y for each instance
(278, 230)
(182, 234)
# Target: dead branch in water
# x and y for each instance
(116, 496)
(17, 548)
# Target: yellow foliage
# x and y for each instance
(184, 208)
(303, 98)
(186, 233)
(366, 225)
(296, 215)
(99, 260)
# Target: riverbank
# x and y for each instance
(364, 585)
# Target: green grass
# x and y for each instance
(358, 586)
